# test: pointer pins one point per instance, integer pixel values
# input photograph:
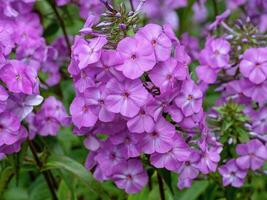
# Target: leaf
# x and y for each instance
(63, 191)
(196, 189)
(6, 175)
(166, 175)
(51, 29)
(39, 190)
(68, 92)
(72, 166)
(16, 194)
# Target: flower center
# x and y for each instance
(126, 94)
(18, 77)
(169, 77)
(129, 177)
(101, 101)
(112, 156)
(133, 57)
(85, 108)
(154, 42)
(190, 97)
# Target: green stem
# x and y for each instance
(46, 174)
(161, 187)
(61, 23)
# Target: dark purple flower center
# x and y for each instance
(133, 56)
(85, 108)
(154, 134)
(190, 97)
(169, 77)
(187, 163)
(101, 101)
(112, 156)
(1, 127)
(126, 94)
(129, 177)
(154, 42)
(18, 77)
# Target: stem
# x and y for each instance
(46, 174)
(61, 23)
(132, 6)
(215, 7)
(161, 187)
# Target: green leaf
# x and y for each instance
(72, 166)
(51, 29)
(195, 191)
(5, 177)
(68, 92)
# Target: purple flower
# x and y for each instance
(216, 53)
(9, 128)
(231, 174)
(138, 56)
(190, 98)
(253, 154)
(127, 143)
(18, 77)
(108, 157)
(49, 118)
(189, 168)
(166, 74)
(130, 176)
(142, 122)
(173, 159)
(82, 113)
(154, 34)
(125, 97)
(160, 139)
(88, 52)
(254, 65)
(106, 66)
(96, 100)
(22, 105)
(207, 74)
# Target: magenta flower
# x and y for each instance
(18, 77)
(138, 56)
(189, 168)
(190, 98)
(231, 174)
(9, 128)
(96, 99)
(254, 65)
(125, 97)
(108, 157)
(160, 140)
(166, 74)
(106, 66)
(130, 176)
(216, 53)
(154, 34)
(142, 122)
(82, 113)
(173, 159)
(88, 52)
(207, 74)
(127, 143)
(253, 154)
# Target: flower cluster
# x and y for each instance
(137, 102)
(23, 53)
(241, 81)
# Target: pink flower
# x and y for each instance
(81, 112)
(125, 97)
(166, 74)
(253, 154)
(130, 176)
(19, 77)
(254, 65)
(138, 56)
(88, 52)
(162, 45)
(160, 139)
